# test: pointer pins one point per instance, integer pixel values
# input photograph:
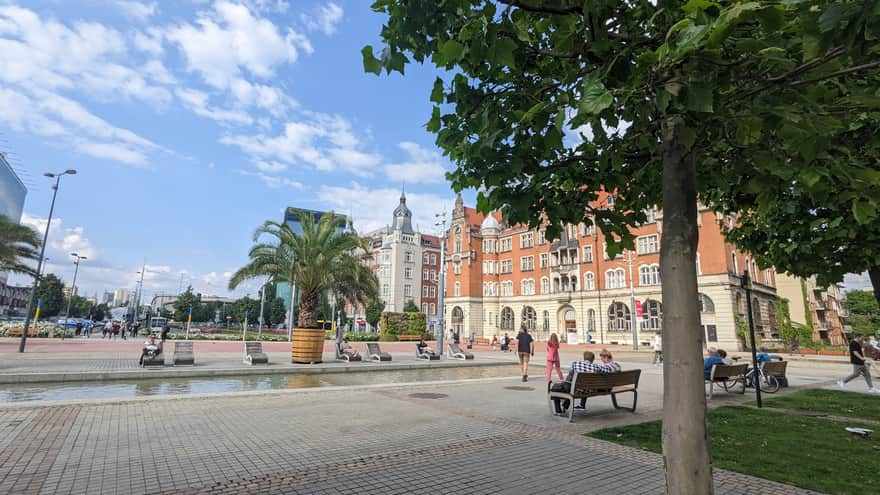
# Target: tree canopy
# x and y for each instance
(51, 293)
(18, 246)
(545, 105)
(864, 316)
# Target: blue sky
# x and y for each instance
(191, 122)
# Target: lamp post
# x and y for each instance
(72, 286)
(632, 300)
(746, 283)
(30, 307)
(441, 315)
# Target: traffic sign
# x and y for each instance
(228, 317)
(361, 321)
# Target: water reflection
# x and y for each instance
(182, 386)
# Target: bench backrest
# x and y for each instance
(775, 368)
(729, 370)
(373, 348)
(183, 347)
(253, 347)
(456, 349)
(600, 381)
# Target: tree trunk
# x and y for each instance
(874, 274)
(308, 307)
(686, 453)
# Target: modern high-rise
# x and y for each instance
(502, 276)
(406, 262)
(120, 296)
(12, 194)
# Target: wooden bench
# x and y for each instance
(586, 385)
(777, 370)
(409, 337)
(183, 354)
(253, 353)
(727, 375)
(16, 332)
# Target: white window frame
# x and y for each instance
(527, 263)
(544, 260)
(589, 281)
(526, 240)
(588, 254)
(648, 244)
(407, 290)
(457, 289)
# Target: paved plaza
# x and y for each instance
(491, 435)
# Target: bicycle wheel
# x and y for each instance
(769, 384)
(731, 384)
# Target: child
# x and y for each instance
(553, 357)
(762, 356)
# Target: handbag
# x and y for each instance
(560, 387)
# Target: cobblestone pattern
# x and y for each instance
(314, 443)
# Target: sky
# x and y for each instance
(191, 122)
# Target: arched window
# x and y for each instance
(546, 321)
(653, 312)
(589, 281)
(458, 237)
(706, 304)
(733, 263)
(649, 274)
(756, 315)
(740, 306)
(545, 285)
(457, 290)
(619, 319)
(615, 279)
(529, 318)
(570, 318)
(457, 319)
(591, 320)
(507, 317)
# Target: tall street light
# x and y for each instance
(73, 286)
(30, 307)
(441, 330)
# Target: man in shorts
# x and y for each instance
(525, 346)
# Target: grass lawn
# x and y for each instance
(835, 402)
(808, 452)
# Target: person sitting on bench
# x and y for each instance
(348, 350)
(151, 349)
(715, 357)
(423, 347)
(585, 366)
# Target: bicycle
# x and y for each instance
(768, 383)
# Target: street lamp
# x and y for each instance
(441, 315)
(72, 286)
(30, 307)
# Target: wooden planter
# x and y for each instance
(307, 346)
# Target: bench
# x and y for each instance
(157, 359)
(777, 370)
(455, 352)
(16, 332)
(253, 353)
(183, 354)
(727, 375)
(586, 385)
(409, 337)
(430, 355)
(341, 356)
(375, 353)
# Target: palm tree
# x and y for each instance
(18, 243)
(317, 260)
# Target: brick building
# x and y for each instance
(823, 304)
(501, 276)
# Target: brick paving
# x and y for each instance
(479, 438)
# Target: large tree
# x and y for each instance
(547, 104)
(863, 313)
(320, 258)
(50, 293)
(18, 247)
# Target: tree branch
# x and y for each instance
(544, 9)
(835, 74)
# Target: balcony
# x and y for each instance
(564, 268)
(563, 297)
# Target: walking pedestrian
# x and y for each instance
(79, 328)
(657, 342)
(525, 347)
(471, 338)
(164, 334)
(857, 358)
(553, 357)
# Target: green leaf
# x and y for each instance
(450, 51)
(863, 211)
(501, 52)
(748, 130)
(810, 177)
(695, 5)
(371, 63)
(530, 114)
(594, 97)
(434, 124)
(437, 93)
(699, 98)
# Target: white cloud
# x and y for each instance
(62, 240)
(857, 281)
(138, 11)
(271, 167)
(149, 41)
(324, 142)
(272, 181)
(422, 166)
(231, 40)
(197, 101)
(325, 19)
(372, 208)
